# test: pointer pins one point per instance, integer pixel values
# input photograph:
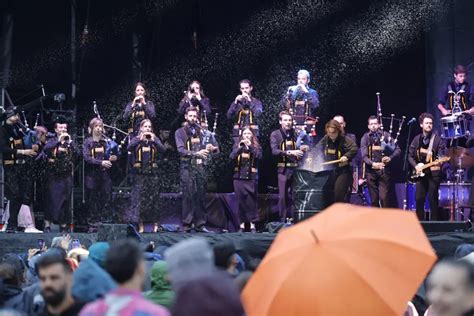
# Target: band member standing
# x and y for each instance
(336, 146)
(61, 153)
(425, 148)
(98, 183)
(245, 110)
(145, 149)
(194, 147)
(246, 154)
(15, 175)
(139, 109)
(378, 164)
(456, 91)
(196, 98)
(283, 142)
(301, 100)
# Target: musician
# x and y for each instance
(60, 153)
(146, 147)
(246, 154)
(460, 86)
(98, 160)
(283, 142)
(425, 148)
(139, 109)
(245, 110)
(337, 146)
(301, 100)
(378, 162)
(194, 147)
(14, 164)
(194, 96)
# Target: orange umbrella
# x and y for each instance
(347, 260)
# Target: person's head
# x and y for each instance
(340, 119)
(9, 274)
(12, 119)
(214, 294)
(146, 126)
(333, 129)
(303, 77)
(60, 128)
(460, 74)
(225, 256)
(17, 263)
(191, 115)
(247, 133)
(195, 87)
(286, 120)
(41, 133)
(55, 276)
(463, 250)
(189, 259)
(124, 262)
(451, 288)
(96, 126)
(98, 252)
(140, 89)
(426, 122)
(373, 123)
(246, 86)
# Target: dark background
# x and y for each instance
(352, 49)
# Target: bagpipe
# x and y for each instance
(208, 136)
(389, 143)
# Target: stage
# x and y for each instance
(254, 245)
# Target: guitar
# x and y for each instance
(423, 166)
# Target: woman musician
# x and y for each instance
(195, 97)
(97, 180)
(246, 154)
(145, 149)
(139, 109)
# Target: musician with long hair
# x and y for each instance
(426, 148)
(194, 147)
(98, 160)
(338, 147)
(245, 110)
(378, 164)
(138, 109)
(61, 153)
(246, 153)
(194, 96)
(285, 146)
(145, 149)
(14, 166)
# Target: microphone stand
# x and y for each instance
(405, 169)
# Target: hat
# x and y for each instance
(98, 251)
(189, 259)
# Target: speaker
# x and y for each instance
(446, 227)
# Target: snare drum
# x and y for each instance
(454, 126)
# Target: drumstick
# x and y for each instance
(331, 162)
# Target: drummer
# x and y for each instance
(456, 92)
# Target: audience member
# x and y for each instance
(124, 262)
(161, 292)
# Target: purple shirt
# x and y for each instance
(124, 302)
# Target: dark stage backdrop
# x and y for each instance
(353, 49)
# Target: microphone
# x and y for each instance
(411, 121)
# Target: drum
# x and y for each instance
(447, 192)
(454, 126)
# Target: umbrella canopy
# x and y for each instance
(347, 260)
